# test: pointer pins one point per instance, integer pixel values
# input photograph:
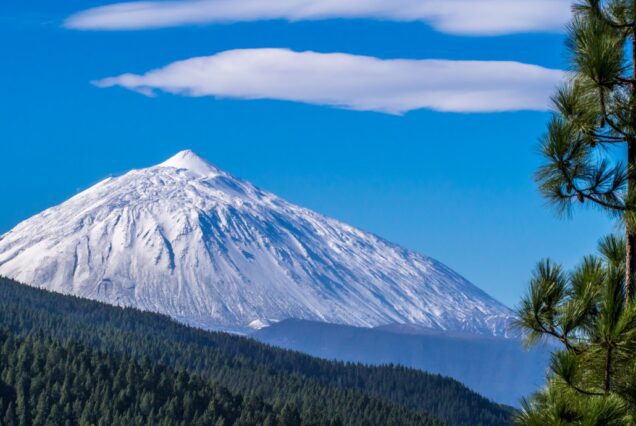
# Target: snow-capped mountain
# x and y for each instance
(186, 239)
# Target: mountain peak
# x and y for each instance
(219, 254)
(191, 161)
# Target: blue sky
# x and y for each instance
(456, 186)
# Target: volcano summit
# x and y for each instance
(188, 240)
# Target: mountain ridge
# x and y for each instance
(501, 369)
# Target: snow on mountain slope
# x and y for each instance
(186, 239)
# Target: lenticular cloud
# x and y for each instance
(353, 82)
(466, 17)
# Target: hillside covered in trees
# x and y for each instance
(80, 354)
(48, 382)
(51, 383)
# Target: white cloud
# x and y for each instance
(353, 82)
(468, 17)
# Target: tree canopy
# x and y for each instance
(351, 393)
(595, 121)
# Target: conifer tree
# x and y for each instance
(10, 418)
(289, 416)
(595, 124)
(593, 377)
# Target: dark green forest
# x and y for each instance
(71, 358)
(45, 382)
(48, 382)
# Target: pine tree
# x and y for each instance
(596, 111)
(10, 418)
(593, 380)
(42, 409)
(289, 416)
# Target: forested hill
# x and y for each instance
(54, 383)
(48, 382)
(347, 393)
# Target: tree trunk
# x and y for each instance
(630, 226)
(630, 241)
(608, 369)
